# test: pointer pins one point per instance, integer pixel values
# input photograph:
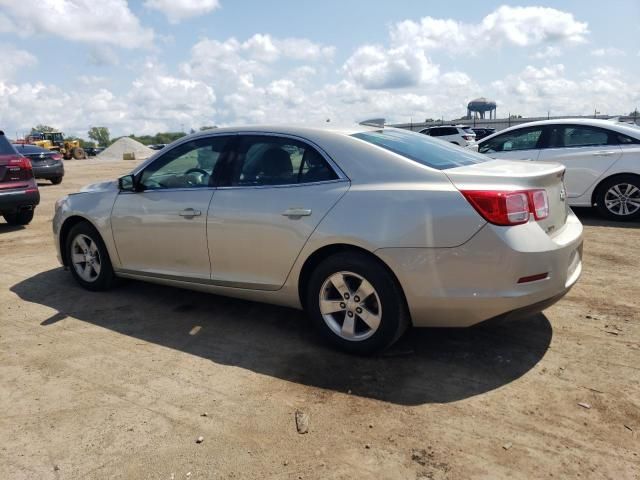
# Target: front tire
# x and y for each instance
(22, 217)
(88, 259)
(618, 198)
(356, 304)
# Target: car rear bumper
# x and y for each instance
(12, 200)
(477, 281)
(48, 171)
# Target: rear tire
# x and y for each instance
(22, 217)
(618, 198)
(88, 258)
(356, 325)
(56, 180)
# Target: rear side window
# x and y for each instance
(622, 139)
(269, 160)
(419, 148)
(5, 146)
(578, 136)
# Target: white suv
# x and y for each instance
(458, 134)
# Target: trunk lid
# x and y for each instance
(12, 175)
(514, 175)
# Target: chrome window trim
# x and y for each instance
(284, 185)
(342, 177)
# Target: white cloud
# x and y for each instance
(105, 21)
(608, 52)
(519, 26)
(524, 26)
(178, 10)
(534, 91)
(229, 64)
(375, 67)
(15, 60)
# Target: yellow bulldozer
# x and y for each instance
(56, 141)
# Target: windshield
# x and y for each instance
(422, 148)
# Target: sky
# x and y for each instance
(144, 66)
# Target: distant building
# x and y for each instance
(480, 106)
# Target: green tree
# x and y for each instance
(43, 128)
(100, 135)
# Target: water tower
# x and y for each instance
(480, 106)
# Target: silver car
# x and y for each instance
(370, 230)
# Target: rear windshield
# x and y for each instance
(24, 149)
(5, 146)
(422, 148)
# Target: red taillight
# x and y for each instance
(56, 156)
(539, 204)
(20, 162)
(509, 207)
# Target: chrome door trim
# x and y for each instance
(135, 274)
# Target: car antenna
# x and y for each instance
(374, 122)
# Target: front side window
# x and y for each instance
(189, 165)
(419, 148)
(264, 160)
(526, 139)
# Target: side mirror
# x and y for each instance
(127, 183)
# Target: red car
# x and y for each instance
(19, 193)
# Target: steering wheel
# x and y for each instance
(201, 171)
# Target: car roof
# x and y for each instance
(625, 128)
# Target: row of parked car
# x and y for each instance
(601, 157)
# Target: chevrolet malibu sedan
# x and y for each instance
(369, 229)
(602, 159)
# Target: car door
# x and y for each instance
(519, 144)
(587, 152)
(278, 189)
(161, 228)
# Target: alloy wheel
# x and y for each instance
(622, 199)
(85, 258)
(350, 306)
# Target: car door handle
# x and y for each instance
(297, 212)
(603, 153)
(190, 213)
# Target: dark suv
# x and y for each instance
(19, 193)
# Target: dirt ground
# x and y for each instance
(121, 384)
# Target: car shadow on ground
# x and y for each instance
(426, 365)
(591, 217)
(6, 228)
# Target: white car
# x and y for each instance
(456, 134)
(602, 159)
